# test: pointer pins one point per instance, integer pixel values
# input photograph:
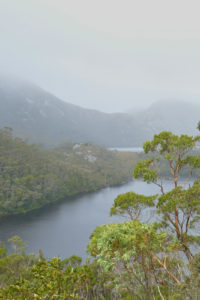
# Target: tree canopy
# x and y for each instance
(131, 260)
(31, 177)
(148, 256)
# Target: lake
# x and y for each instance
(63, 228)
(129, 149)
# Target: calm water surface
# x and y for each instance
(63, 229)
(129, 149)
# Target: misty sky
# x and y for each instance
(110, 55)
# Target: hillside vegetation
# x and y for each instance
(31, 177)
(157, 259)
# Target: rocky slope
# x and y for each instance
(41, 117)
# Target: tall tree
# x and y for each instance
(145, 255)
(179, 209)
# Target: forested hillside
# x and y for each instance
(129, 260)
(31, 177)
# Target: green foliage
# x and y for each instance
(131, 204)
(31, 177)
(189, 289)
(148, 259)
(132, 250)
(167, 142)
(180, 208)
(54, 279)
(16, 264)
(143, 169)
(130, 260)
(167, 147)
(113, 242)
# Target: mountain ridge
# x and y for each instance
(38, 115)
(41, 117)
(171, 115)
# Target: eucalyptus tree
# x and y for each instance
(179, 208)
(139, 255)
(145, 255)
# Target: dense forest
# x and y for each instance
(157, 259)
(26, 276)
(99, 150)
(31, 177)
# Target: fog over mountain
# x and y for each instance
(171, 115)
(105, 55)
(43, 118)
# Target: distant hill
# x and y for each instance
(176, 116)
(43, 118)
